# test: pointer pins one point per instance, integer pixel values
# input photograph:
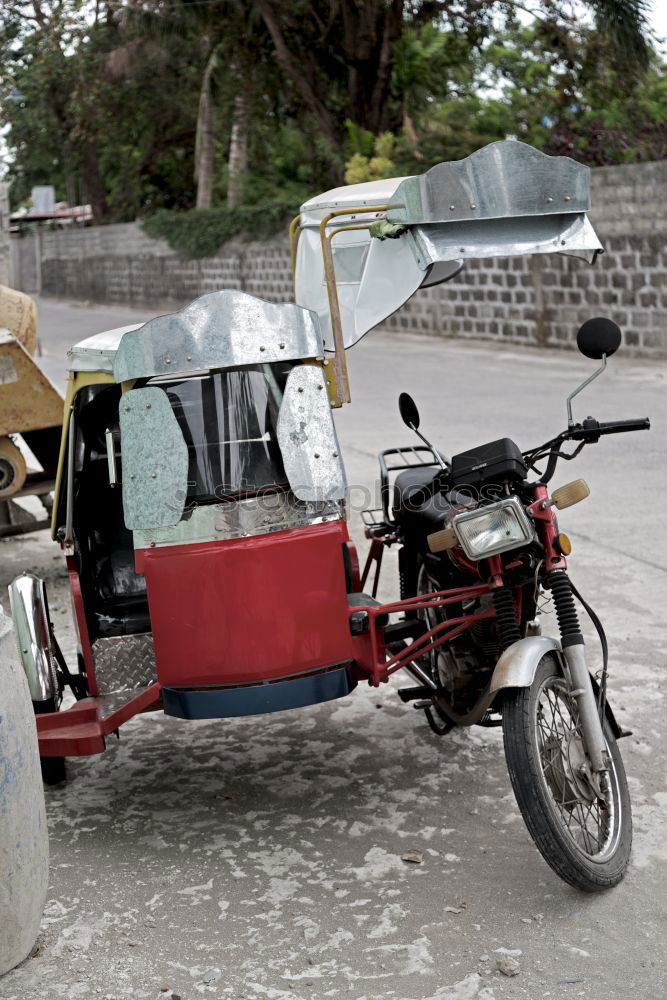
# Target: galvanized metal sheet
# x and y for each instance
(500, 181)
(124, 663)
(239, 519)
(307, 438)
(220, 330)
(572, 234)
(155, 460)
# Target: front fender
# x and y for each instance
(519, 662)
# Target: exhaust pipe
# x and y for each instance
(32, 626)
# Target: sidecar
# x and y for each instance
(200, 493)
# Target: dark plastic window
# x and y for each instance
(229, 422)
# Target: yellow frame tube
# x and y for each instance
(342, 383)
(75, 382)
(294, 233)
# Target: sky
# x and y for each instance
(659, 19)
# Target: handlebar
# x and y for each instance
(592, 430)
(587, 432)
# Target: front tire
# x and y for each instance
(582, 831)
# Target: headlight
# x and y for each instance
(497, 528)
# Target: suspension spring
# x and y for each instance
(558, 582)
(508, 630)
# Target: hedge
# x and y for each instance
(201, 232)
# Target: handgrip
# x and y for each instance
(621, 426)
(591, 430)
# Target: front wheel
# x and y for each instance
(582, 828)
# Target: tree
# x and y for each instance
(138, 105)
(341, 57)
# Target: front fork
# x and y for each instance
(574, 651)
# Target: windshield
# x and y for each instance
(228, 421)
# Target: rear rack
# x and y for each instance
(409, 457)
(375, 525)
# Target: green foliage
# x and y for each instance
(201, 232)
(377, 164)
(102, 99)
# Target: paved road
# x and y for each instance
(261, 858)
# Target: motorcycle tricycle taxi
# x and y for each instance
(200, 504)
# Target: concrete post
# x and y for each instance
(24, 846)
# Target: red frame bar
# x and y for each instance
(371, 658)
(80, 730)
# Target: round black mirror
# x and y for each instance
(408, 410)
(598, 336)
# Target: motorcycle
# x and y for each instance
(486, 517)
(200, 506)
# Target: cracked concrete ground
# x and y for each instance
(260, 858)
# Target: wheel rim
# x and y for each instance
(435, 660)
(7, 474)
(588, 814)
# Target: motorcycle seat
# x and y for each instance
(409, 482)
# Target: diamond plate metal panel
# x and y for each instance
(124, 662)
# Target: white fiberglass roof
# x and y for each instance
(96, 353)
(367, 194)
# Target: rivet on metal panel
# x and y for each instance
(189, 357)
(299, 389)
(262, 348)
(148, 406)
(568, 197)
(167, 361)
(549, 199)
(317, 454)
(281, 346)
(153, 475)
(334, 454)
(462, 249)
(473, 206)
(321, 386)
(132, 475)
(451, 208)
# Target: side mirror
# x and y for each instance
(408, 410)
(598, 337)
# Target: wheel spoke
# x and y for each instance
(588, 821)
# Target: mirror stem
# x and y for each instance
(570, 418)
(439, 458)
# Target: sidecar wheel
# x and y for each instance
(53, 768)
(583, 833)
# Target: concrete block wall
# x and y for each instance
(533, 300)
